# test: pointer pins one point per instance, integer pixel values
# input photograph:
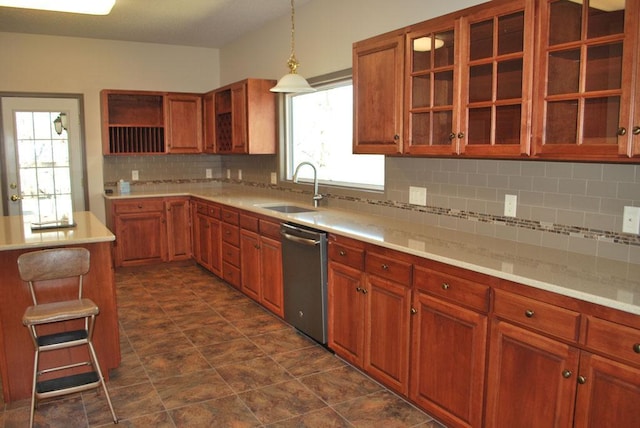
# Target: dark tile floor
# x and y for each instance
(198, 353)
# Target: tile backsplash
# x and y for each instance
(563, 205)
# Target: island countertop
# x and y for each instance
(16, 233)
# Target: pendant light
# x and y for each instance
(95, 7)
(292, 82)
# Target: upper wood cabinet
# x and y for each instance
(588, 61)
(545, 79)
(241, 118)
(378, 68)
(183, 113)
(143, 122)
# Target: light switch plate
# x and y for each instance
(208, 173)
(631, 220)
(240, 174)
(274, 178)
(134, 175)
(418, 195)
(228, 174)
(510, 205)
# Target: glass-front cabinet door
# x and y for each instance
(588, 66)
(497, 67)
(432, 89)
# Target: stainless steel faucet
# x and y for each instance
(316, 196)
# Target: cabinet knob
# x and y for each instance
(445, 286)
(452, 136)
(566, 374)
(365, 291)
(414, 311)
(582, 380)
(622, 131)
(396, 137)
(635, 130)
(257, 247)
(343, 253)
(636, 348)
(529, 313)
(461, 135)
(359, 289)
(385, 267)
(140, 206)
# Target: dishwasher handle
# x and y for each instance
(299, 240)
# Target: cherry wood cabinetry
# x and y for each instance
(261, 262)
(378, 68)
(184, 123)
(150, 230)
(207, 239)
(241, 118)
(230, 230)
(586, 98)
(449, 342)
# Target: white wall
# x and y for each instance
(325, 32)
(46, 64)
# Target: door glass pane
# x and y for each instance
(443, 90)
(565, 22)
(481, 37)
(606, 17)
(508, 119)
(509, 79)
(421, 95)
(564, 72)
(479, 126)
(421, 54)
(511, 33)
(480, 82)
(442, 126)
(604, 67)
(601, 118)
(420, 129)
(562, 122)
(444, 54)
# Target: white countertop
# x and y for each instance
(16, 233)
(602, 281)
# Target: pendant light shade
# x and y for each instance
(292, 82)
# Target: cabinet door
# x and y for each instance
(250, 264)
(433, 93)
(588, 54)
(608, 393)
(239, 118)
(183, 123)
(387, 332)
(271, 281)
(141, 238)
(178, 229)
(448, 361)
(378, 67)
(531, 379)
(208, 123)
(201, 244)
(497, 69)
(346, 313)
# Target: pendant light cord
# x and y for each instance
(293, 63)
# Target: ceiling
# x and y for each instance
(199, 23)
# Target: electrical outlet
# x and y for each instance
(208, 173)
(510, 205)
(228, 174)
(240, 174)
(418, 195)
(274, 178)
(134, 175)
(631, 220)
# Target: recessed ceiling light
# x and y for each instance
(95, 7)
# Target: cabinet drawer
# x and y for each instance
(456, 289)
(388, 267)
(613, 339)
(270, 229)
(231, 254)
(534, 314)
(346, 255)
(231, 274)
(231, 234)
(249, 222)
(208, 210)
(229, 216)
(139, 205)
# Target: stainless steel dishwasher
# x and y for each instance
(304, 268)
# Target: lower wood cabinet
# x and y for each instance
(207, 239)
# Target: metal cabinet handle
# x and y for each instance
(461, 135)
(529, 313)
(636, 348)
(364, 291)
(445, 286)
(582, 380)
(15, 198)
(622, 131)
(342, 253)
(452, 136)
(385, 266)
(566, 374)
(396, 137)
(414, 311)
(635, 130)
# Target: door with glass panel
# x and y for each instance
(588, 55)
(42, 159)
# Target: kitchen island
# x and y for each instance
(16, 347)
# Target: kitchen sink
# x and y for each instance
(289, 209)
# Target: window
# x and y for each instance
(319, 129)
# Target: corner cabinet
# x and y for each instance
(241, 118)
(183, 113)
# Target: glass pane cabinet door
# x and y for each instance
(431, 88)
(587, 55)
(497, 69)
